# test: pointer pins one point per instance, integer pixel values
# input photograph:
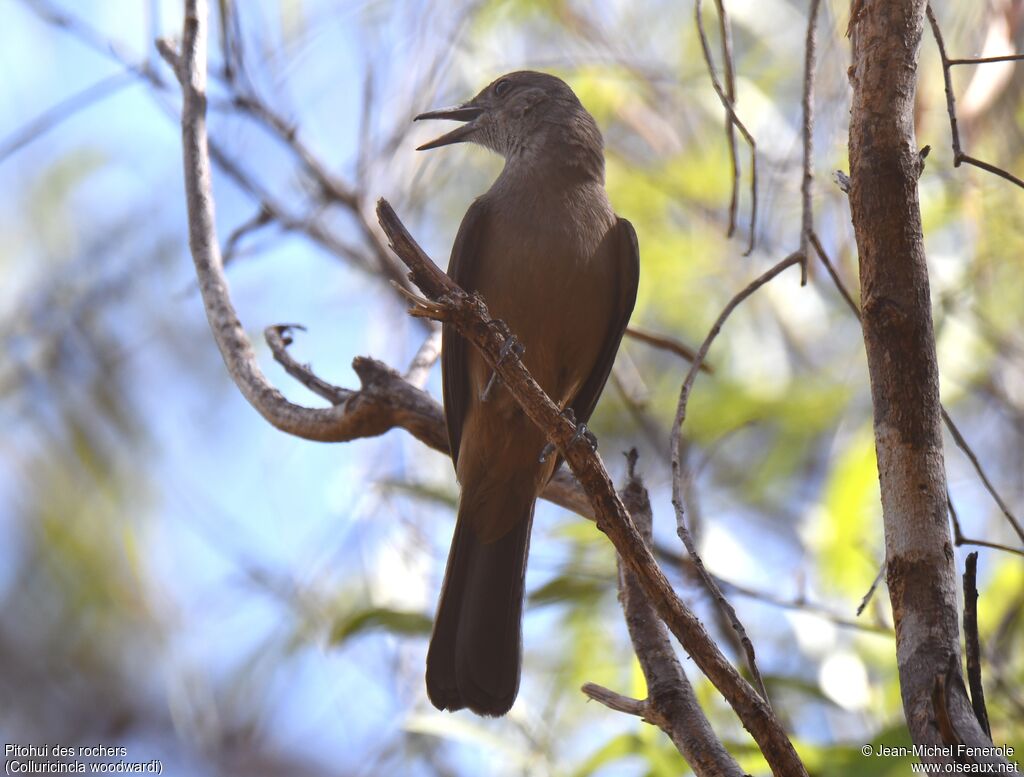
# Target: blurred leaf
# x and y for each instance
(570, 588)
(848, 532)
(379, 618)
(428, 492)
(614, 749)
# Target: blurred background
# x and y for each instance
(181, 579)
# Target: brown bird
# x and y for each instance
(552, 260)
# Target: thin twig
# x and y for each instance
(972, 642)
(93, 39)
(986, 60)
(333, 189)
(677, 468)
(871, 590)
(702, 352)
(330, 186)
(989, 168)
(801, 604)
(807, 183)
(725, 32)
(959, 157)
(960, 540)
(260, 219)
(958, 438)
(64, 110)
(950, 96)
(730, 111)
(279, 337)
(666, 343)
(830, 268)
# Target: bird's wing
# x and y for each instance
(461, 269)
(626, 255)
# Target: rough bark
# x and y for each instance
(671, 702)
(899, 338)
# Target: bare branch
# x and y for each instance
(989, 168)
(384, 401)
(666, 343)
(947, 420)
(615, 701)
(959, 156)
(962, 445)
(727, 103)
(986, 60)
(725, 32)
(899, 340)
(424, 359)
(677, 464)
(866, 599)
(960, 540)
(330, 188)
(716, 328)
(62, 111)
(279, 337)
(807, 183)
(972, 643)
(671, 703)
(834, 275)
(260, 219)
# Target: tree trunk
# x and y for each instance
(900, 342)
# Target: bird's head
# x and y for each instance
(524, 114)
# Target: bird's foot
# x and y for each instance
(581, 433)
(511, 348)
(545, 452)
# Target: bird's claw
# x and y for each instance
(510, 348)
(581, 433)
(545, 452)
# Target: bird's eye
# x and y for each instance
(501, 88)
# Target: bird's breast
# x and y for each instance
(548, 273)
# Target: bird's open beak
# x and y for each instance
(466, 112)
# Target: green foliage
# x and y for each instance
(360, 621)
(848, 544)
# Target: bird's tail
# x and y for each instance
(474, 655)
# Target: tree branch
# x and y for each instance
(677, 463)
(972, 642)
(671, 703)
(900, 343)
(807, 182)
(384, 400)
(731, 120)
(725, 33)
(666, 343)
(959, 156)
(958, 438)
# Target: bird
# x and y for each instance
(553, 261)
